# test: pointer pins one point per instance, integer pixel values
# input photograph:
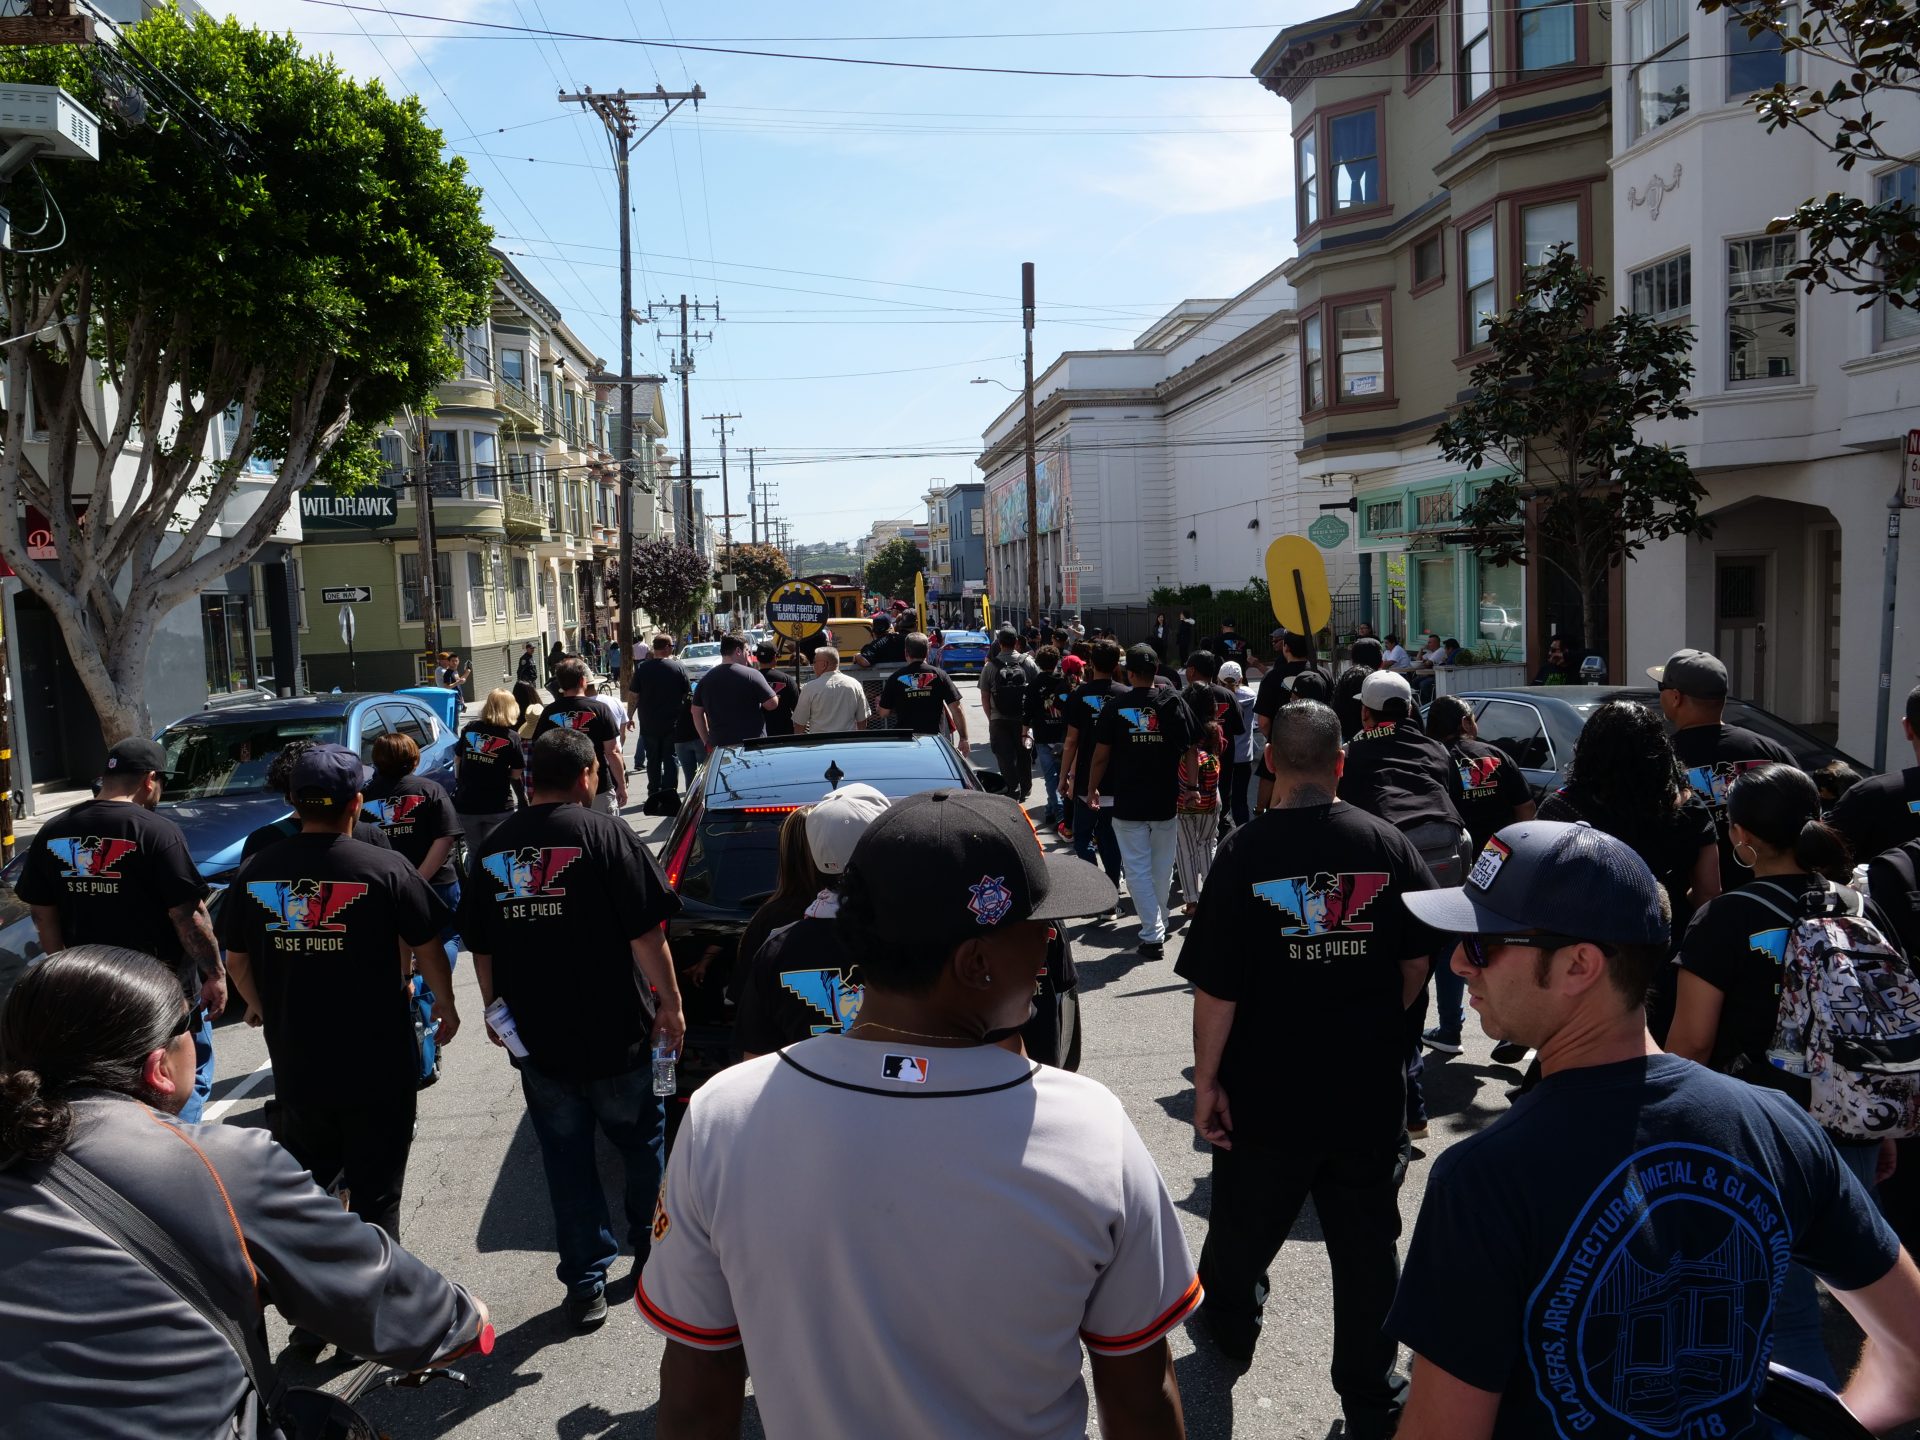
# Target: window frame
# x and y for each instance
(1330, 309)
(1789, 60)
(1881, 310)
(1663, 317)
(1788, 288)
(1438, 235)
(1463, 69)
(1313, 357)
(1684, 39)
(1306, 176)
(1519, 202)
(1516, 12)
(442, 561)
(1486, 217)
(1417, 78)
(1320, 127)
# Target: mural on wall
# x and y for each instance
(1008, 498)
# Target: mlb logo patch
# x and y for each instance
(991, 898)
(1492, 857)
(907, 1069)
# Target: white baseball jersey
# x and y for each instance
(914, 1242)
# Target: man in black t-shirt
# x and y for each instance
(920, 698)
(112, 872)
(888, 646)
(1693, 697)
(1294, 657)
(786, 687)
(1301, 935)
(1228, 644)
(1007, 681)
(567, 923)
(1629, 1286)
(1208, 699)
(1367, 657)
(1047, 719)
(1883, 811)
(661, 689)
(1141, 739)
(1092, 829)
(280, 779)
(574, 709)
(732, 701)
(309, 925)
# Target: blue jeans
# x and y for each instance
(203, 1070)
(1047, 757)
(1148, 849)
(656, 757)
(1797, 1339)
(692, 755)
(1093, 834)
(630, 1115)
(1449, 995)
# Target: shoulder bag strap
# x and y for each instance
(126, 1226)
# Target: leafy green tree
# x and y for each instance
(670, 582)
(890, 572)
(759, 569)
(1858, 73)
(287, 251)
(1557, 405)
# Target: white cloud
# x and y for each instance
(1244, 162)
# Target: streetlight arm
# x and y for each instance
(985, 380)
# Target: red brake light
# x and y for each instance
(678, 862)
(768, 809)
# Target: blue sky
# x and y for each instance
(862, 228)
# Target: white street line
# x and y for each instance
(217, 1111)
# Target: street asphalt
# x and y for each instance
(476, 1208)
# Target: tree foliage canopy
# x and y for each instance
(889, 574)
(1555, 407)
(670, 582)
(289, 249)
(759, 569)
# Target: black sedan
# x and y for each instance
(1539, 724)
(721, 858)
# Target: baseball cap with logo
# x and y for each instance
(136, 755)
(1548, 876)
(1692, 672)
(836, 823)
(1230, 673)
(1384, 685)
(1142, 660)
(946, 864)
(328, 775)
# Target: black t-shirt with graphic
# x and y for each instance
(1492, 787)
(1301, 926)
(1048, 712)
(1737, 944)
(414, 813)
(917, 696)
(591, 719)
(113, 870)
(1402, 776)
(1209, 701)
(556, 898)
(489, 757)
(1148, 733)
(1880, 812)
(1227, 645)
(317, 916)
(786, 690)
(1629, 1287)
(1713, 756)
(272, 833)
(1670, 845)
(1083, 710)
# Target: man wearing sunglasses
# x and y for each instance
(1604, 1260)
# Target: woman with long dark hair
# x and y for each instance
(96, 1058)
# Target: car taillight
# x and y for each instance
(768, 809)
(678, 863)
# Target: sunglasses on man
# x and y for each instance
(1480, 948)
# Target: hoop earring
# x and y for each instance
(1745, 864)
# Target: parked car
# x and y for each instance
(966, 651)
(1538, 724)
(699, 659)
(721, 857)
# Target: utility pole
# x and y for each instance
(683, 367)
(753, 494)
(1033, 477)
(616, 113)
(726, 503)
(423, 535)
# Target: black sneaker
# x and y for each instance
(587, 1310)
(1509, 1052)
(1445, 1042)
(1153, 949)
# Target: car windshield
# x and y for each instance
(207, 758)
(701, 652)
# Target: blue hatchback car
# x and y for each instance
(966, 651)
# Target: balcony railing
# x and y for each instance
(525, 517)
(517, 402)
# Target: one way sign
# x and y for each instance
(347, 594)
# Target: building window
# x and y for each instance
(1663, 291)
(1546, 30)
(226, 627)
(1762, 309)
(1542, 227)
(1353, 150)
(499, 587)
(1383, 517)
(1423, 53)
(477, 585)
(1437, 599)
(1477, 282)
(522, 586)
(410, 585)
(1362, 359)
(1433, 508)
(1313, 371)
(1657, 85)
(513, 369)
(568, 612)
(297, 585)
(1897, 324)
(1307, 181)
(1429, 260)
(443, 462)
(474, 350)
(1756, 62)
(1473, 58)
(486, 465)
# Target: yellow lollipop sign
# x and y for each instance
(1297, 578)
(797, 610)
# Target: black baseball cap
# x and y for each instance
(951, 863)
(326, 775)
(1142, 660)
(136, 755)
(1548, 876)
(1692, 672)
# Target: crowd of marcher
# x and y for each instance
(1703, 952)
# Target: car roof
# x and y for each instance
(318, 706)
(793, 769)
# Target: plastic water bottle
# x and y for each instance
(500, 1021)
(664, 1080)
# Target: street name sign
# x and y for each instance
(322, 509)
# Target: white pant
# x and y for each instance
(1147, 850)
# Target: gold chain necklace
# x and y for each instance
(910, 1034)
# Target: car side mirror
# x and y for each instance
(991, 781)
